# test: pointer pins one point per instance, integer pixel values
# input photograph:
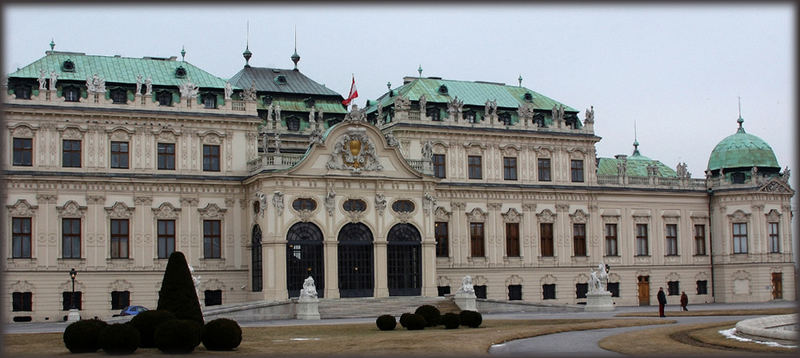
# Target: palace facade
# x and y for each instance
(265, 178)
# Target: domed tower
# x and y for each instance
(741, 156)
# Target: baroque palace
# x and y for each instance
(266, 178)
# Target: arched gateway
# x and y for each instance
(304, 257)
(404, 261)
(355, 261)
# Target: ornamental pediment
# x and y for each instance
(776, 186)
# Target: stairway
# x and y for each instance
(374, 307)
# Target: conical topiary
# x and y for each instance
(177, 293)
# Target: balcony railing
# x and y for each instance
(653, 182)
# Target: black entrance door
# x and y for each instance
(355, 261)
(404, 261)
(304, 258)
(255, 259)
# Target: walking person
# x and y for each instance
(684, 301)
(662, 301)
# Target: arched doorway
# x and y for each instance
(255, 259)
(355, 261)
(404, 261)
(304, 257)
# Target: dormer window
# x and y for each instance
(119, 96)
(22, 91)
(267, 100)
(68, 66)
(293, 124)
(71, 93)
(434, 113)
(469, 116)
(280, 79)
(210, 101)
(738, 178)
(528, 96)
(443, 90)
(164, 98)
(505, 118)
(180, 72)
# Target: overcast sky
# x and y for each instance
(674, 70)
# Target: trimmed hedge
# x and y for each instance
(221, 334)
(386, 322)
(451, 320)
(177, 293)
(471, 319)
(404, 319)
(431, 314)
(178, 336)
(119, 338)
(415, 322)
(81, 336)
(147, 322)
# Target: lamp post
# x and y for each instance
(73, 315)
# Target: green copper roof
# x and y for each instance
(742, 150)
(472, 93)
(636, 166)
(115, 69)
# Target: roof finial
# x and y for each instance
(635, 140)
(295, 56)
(183, 53)
(740, 120)
(52, 44)
(419, 69)
(520, 80)
(389, 85)
(247, 54)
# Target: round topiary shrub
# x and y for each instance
(178, 336)
(119, 338)
(404, 319)
(221, 334)
(147, 322)
(470, 318)
(430, 313)
(81, 336)
(415, 322)
(386, 322)
(451, 320)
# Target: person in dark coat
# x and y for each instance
(684, 300)
(662, 301)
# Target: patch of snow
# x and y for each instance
(731, 333)
(303, 339)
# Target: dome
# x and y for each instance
(742, 150)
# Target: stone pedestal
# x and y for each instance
(465, 301)
(308, 308)
(599, 302)
(74, 315)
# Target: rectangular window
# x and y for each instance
(613, 287)
(211, 158)
(22, 302)
(512, 239)
(119, 238)
(166, 238)
(576, 167)
(23, 151)
(210, 101)
(71, 238)
(546, 236)
(166, 156)
(439, 166)
(67, 299)
(442, 290)
(549, 291)
(514, 292)
(474, 164)
(672, 240)
(213, 297)
(700, 239)
(774, 238)
(120, 299)
(579, 239)
(581, 289)
(21, 238)
(480, 291)
(119, 155)
(673, 288)
(611, 240)
(740, 238)
(510, 168)
(212, 239)
(702, 287)
(544, 169)
(71, 153)
(440, 231)
(476, 239)
(641, 240)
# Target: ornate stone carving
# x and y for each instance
(380, 203)
(22, 131)
(546, 216)
(454, 107)
(589, 116)
(148, 87)
(773, 215)
(441, 214)
(119, 211)
(95, 85)
(512, 216)
(330, 201)
(138, 85)
(428, 203)
(249, 95)
(423, 102)
(143, 200)
(739, 216)
(355, 151)
(529, 207)
(356, 115)
(166, 211)
(211, 212)
(189, 201)
(548, 279)
(95, 199)
(53, 79)
(401, 104)
(562, 207)
(277, 201)
(261, 198)
(476, 215)
(188, 90)
(776, 186)
(71, 209)
(579, 216)
(228, 90)
(42, 80)
(427, 151)
(391, 140)
(525, 112)
(22, 208)
(316, 136)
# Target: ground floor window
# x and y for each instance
(67, 298)
(613, 287)
(22, 301)
(443, 290)
(673, 288)
(549, 291)
(120, 299)
(702, 287)
(213, 297)
(480, 291)
(514, 292)
(581, 289)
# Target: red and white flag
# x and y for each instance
(353, 93)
